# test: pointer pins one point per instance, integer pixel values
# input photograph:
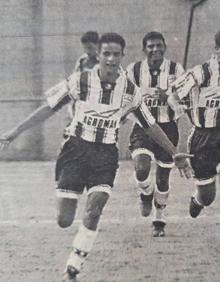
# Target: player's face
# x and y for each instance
(110, 56)
(217, 52)
(155, 49)
(90, 49)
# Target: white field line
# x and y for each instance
(170, 219)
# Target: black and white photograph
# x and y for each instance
(109, 141)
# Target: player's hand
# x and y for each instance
(4, 142)
(180, 110)
(181, 161)
(7, 138)
(161, 94)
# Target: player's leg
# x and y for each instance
(101, 174)
(205, 147)
(96, 201)
(66, 210)
(142, 164)
(88, 230)
(161, 194)
(67, 198)
(204, 195)
(162, 189)
(141, 152)
(70, 182)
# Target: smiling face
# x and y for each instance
(154, 51)
(110, 57)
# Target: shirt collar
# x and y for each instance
(121, 72)
(162, 66)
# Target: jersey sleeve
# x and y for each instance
(131, 98)
(143, 116)
(135, 109)
(179, 70)
(58, 94)
(197, 72)
(183, 85)
(62, 93)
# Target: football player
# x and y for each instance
(87, 61)
(89, 158)
(153, 75)
(199, 89)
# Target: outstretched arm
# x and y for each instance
(180, 159)
(57, 96)
(39, 115)
(155, 132)
(140, 111)
(158, 135)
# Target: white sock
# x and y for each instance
(161, 197)
(146, 187)
(82, 245)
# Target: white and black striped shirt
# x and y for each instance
(148, 81)
(99, 106)
(199, 88)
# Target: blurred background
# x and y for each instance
(40, 42)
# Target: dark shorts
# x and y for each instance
(139, 140)
(205, 145)
(83, 164)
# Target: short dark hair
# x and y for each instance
(112, 37)
(217, 39)
(152, 35)
(90, 36)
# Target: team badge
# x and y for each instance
(108, 86)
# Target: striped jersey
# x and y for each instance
(85, 63)
(149, 80)
(99, 105)
(199, 88)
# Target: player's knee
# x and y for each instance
(93, 213)
(206, 191)
(141, 174)
(208, 198)
(66, 209)
(142, 167)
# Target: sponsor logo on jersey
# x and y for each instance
(154, 102)
(210, 97)
(105, 114)
(213, 103)
(101, 120)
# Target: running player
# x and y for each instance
(89, 157)
(199, 88)
(87, 61)
(153, 75)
